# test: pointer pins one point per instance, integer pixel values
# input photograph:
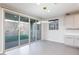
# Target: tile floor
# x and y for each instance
(44, 47)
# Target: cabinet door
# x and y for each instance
(76, 42)
(76, 21)
(69, 21)
(69, 41)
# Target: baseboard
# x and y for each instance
(55, 42)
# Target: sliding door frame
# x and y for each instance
(20, 14)
(19, 33)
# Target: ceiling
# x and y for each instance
(36, 10)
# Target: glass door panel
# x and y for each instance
(11, 30)
(38, 31)
(33, 30)
(24, 30)
(11, 16)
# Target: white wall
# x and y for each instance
(44, 30)
(1, 31)
(54, 35)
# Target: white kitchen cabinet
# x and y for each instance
(76, 20)
(69, 40)
(76, 42)
(69, 21)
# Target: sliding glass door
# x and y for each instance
(11, 30)
(24, 30)
(17, 29)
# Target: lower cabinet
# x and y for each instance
(76, 42)
(68, 40)
(72, 41)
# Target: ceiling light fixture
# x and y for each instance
(46, 9)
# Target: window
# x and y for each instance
(53, 24)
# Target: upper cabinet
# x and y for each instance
(68, 21)
(71, 21)
(76, 21)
